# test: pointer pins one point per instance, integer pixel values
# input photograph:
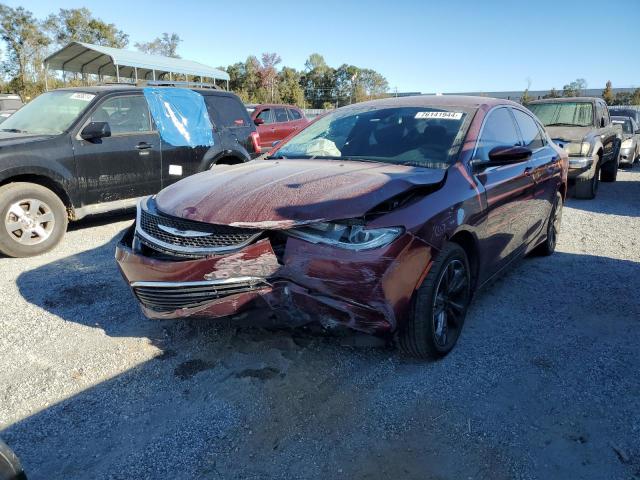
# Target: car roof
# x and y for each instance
(567, 99)
(100, 89)
(271, 105)
(438, 100)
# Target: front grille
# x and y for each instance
(167, 297)
(191, 236)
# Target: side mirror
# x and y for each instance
(259, 121)
(505, 155)
(602, 122)
(96, 130)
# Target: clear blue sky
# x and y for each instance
(427, 46)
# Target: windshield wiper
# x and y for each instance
(14, 130)
(561, 124)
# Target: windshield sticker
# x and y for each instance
(440, 115)
(85, 97)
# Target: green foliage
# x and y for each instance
(78, 25)
(166, 45)
(553, 93)
(575, 88)
(607, 93)
(26, 46)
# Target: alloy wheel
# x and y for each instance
(29, 221)
(450, 303)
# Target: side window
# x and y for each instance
(266, 116)
(281, 115)
(125, 115)
(294, 114)
(498, 130)
(600, 114)
(531, 136)
(226, 111)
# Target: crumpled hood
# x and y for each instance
(277, 194)
(8, 139)
(568, 134)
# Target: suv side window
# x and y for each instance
(600, 114)
(531, 136)
(281, 115)
(499, 130)
(125, 115)
(294, 114)
(226, 111)
(266, 116)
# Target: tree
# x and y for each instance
(166, 45)
(635, 98)
(268, 73)
(607, 93)
(370, 85)
(289, 87)
(26, 44)
(553, 93)
(575, 88)
(79, 25)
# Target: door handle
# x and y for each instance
(143, 146)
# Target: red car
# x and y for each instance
(383, 217)
(276, 122)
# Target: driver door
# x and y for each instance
(128, 163)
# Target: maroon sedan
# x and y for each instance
(383, 217)
(276, 122)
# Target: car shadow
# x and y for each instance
(199, 408)
(621, 197)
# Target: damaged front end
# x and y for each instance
(338, 273)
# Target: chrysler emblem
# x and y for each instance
(183, 233)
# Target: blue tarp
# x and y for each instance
(181, 116)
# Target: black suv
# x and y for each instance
(78, 151)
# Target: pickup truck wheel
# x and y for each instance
(553, 229)
(34, 219)
(440, 306)
(610, 169)
(587, 186)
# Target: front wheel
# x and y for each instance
(587, 185)
(610, 169)
(440, 306)
(34, 219)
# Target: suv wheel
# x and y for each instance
(34, 219)
(587, 185)
(610, 169)
(440, 306)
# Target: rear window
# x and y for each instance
(294, 114)
(226, 111)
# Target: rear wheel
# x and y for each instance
(440, 306)
(34, 219)
(587, 186)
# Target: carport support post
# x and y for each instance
(135, 69)
(46, 83)
(117, 73)
(154, 75)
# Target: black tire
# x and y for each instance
(610, 169)
(421, 335)
(10, 467)
(587, 186)
(553, 228)
(49, 219)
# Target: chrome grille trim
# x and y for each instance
(152, 241)
(171, 296)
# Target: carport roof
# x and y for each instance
(87, 58)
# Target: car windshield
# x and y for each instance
(566, 113)
(51, 113)
(418, 136)
(626, 124)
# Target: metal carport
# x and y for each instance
(81, 57)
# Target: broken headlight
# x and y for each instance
(352, 237)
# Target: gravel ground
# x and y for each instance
(544, 381)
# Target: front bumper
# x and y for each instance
(366, 291)
(577, 165)
(627, 155)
